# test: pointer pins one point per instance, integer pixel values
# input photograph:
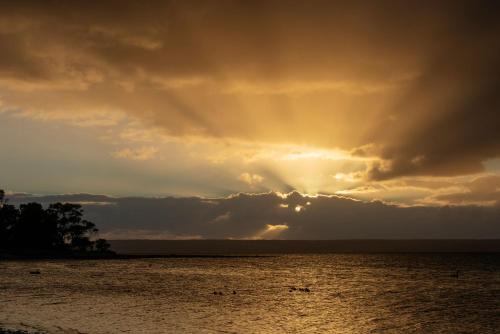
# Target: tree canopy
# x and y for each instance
(60, 227)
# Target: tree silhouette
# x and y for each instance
(102, 246)
(9, 216)
(60, 227)
(32, 229)
(72, 229)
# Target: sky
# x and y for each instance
(374, 113)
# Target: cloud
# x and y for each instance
(273, 215)
(413, 84)
(483, 190)
(223, 217)
(134, 234)
(250, 179)
(142, 153)
(271, 231)
(422, 190)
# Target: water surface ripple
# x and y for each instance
(378, 293)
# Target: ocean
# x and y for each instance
(282, 293)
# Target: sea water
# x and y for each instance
(348, 293)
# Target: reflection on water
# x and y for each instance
(348, 294)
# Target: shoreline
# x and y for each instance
(13, 257)
(17, 331)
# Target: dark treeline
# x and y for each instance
(60, 228)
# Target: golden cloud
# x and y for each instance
(413, 85)
(141, 153)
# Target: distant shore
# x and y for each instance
(12, 331)
(280, 247)
(30, 257)
(210, 249)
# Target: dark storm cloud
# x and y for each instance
(416, 80)
(270, 215)
(447, 123)
(223, 37)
